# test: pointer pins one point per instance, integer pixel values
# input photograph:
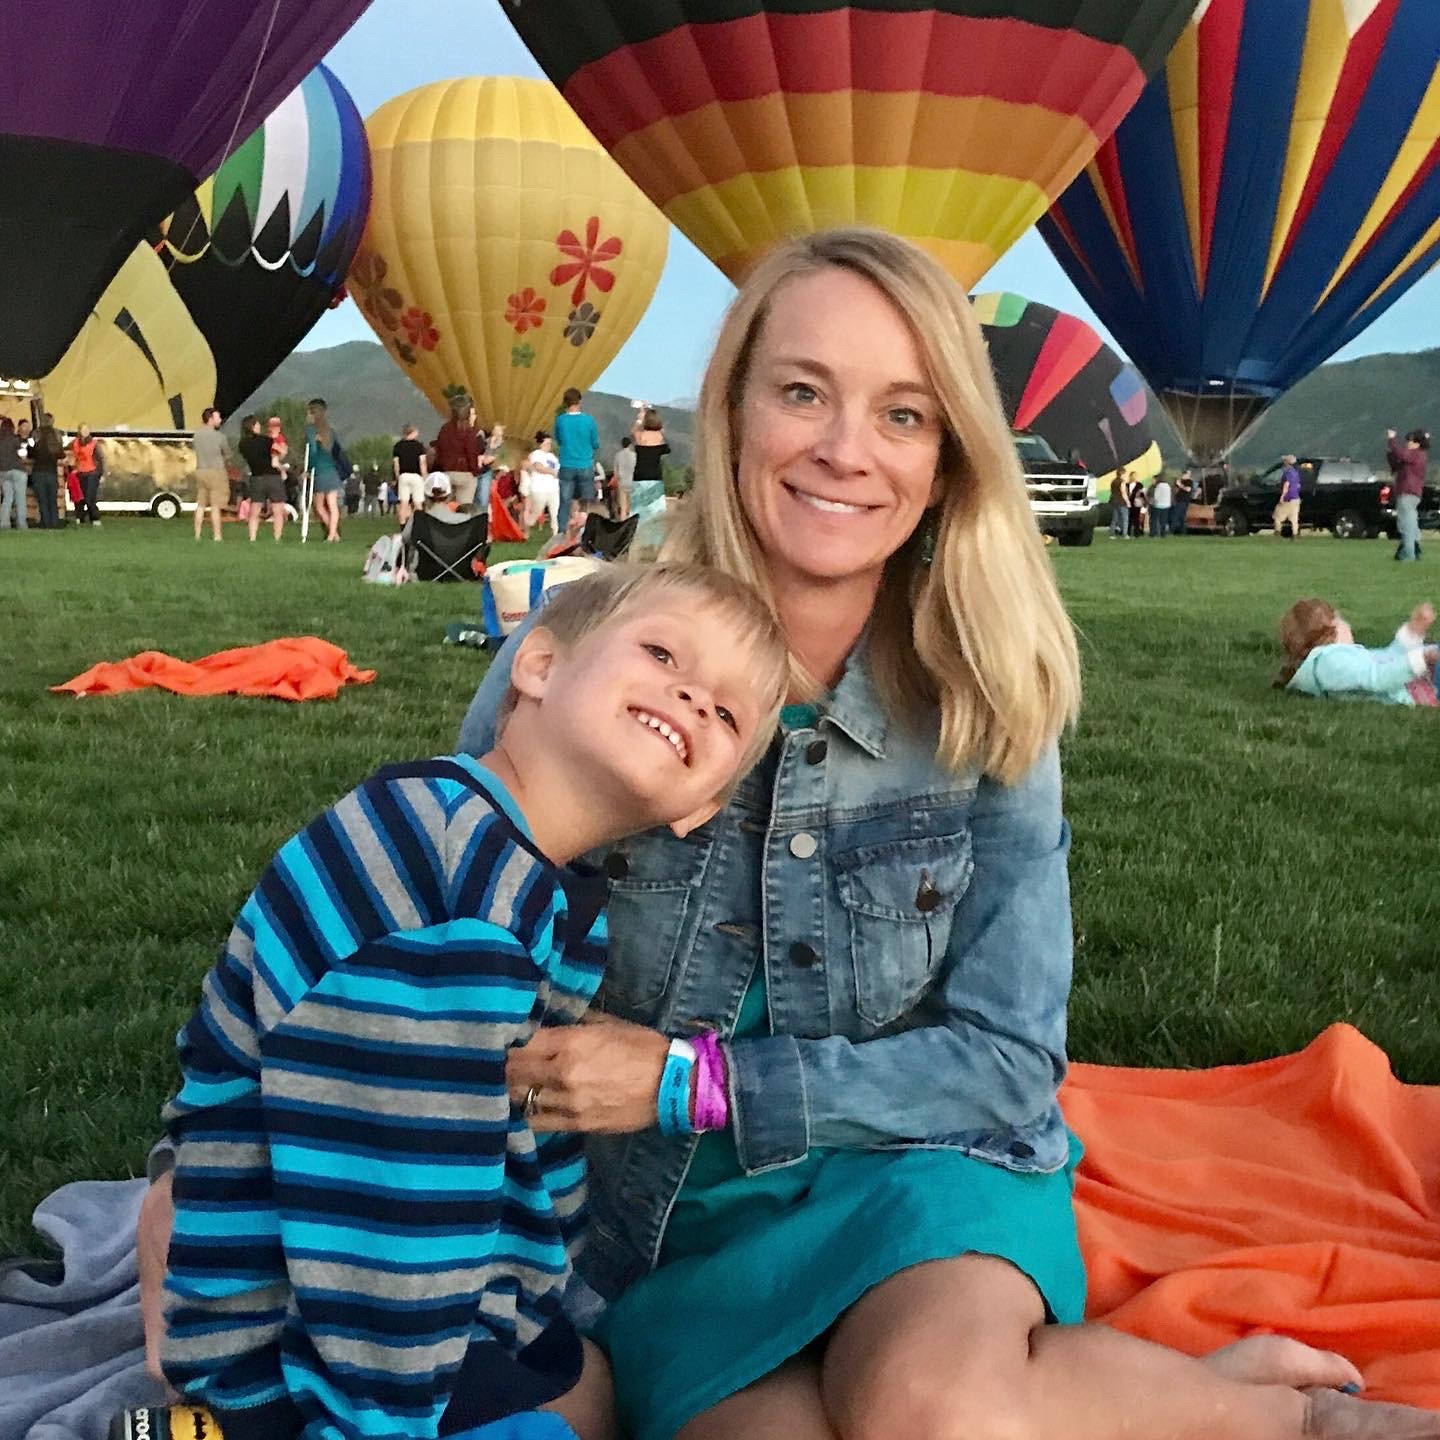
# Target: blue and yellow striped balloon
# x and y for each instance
(1274, 190)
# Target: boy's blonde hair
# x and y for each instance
(582, 607)
(968, 619)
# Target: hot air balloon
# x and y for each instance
(116, 110)
(140, 360)
(954, 124)
(245, 267)
(507, 255)
(1274, 190)
(259, 252)
(1061, 380)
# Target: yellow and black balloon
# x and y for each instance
(953, 123)
(234, 279)
(507, 256)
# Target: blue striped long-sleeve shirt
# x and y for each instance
(357, 1202)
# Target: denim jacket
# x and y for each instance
(914, 929)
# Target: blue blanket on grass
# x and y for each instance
(72, 1348)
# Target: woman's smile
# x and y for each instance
(826, 506)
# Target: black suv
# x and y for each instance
(1351, 499)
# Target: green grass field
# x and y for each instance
(1247, 867)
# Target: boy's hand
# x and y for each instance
(1422, 617)
(601, 1077)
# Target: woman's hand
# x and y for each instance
(600, 1077)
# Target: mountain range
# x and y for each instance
(1343, 409)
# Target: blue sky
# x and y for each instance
(399, 44)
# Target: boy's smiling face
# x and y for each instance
(654, 711)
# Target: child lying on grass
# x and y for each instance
(370, 1240)
(1322, 658)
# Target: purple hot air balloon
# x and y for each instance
(114, 112)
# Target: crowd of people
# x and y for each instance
(457, 471)
(31, 459)
(1158, 511)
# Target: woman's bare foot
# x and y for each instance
(1278, 1360)
(1333, 1416)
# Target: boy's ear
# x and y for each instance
(696, 818)
(530, 672)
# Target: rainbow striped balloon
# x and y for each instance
(955, 124)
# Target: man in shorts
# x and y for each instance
(410, 467)
(212, 480)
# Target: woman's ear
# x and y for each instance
(530, 672)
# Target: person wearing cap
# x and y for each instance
(438, 497)
(1288, 506)
(1408, 464)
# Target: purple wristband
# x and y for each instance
(712, 1083)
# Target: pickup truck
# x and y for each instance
(1062, 496)
(1353, 501)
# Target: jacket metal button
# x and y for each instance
(803, 846)
(816, 751)
(803, 956)
(617, 867)
(1021, 1151)
(927, 897)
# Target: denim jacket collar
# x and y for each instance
(856, 708)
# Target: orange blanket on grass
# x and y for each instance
(301, 668)
(1299, 1196)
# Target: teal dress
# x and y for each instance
(753, 1268)
(322, 463)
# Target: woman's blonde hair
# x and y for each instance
(318, 414)
(979, 629)
(1304, 626)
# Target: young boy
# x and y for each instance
(369, 1240)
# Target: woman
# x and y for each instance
(540, 482)
(326, 458)
(457, 451)
(12, 477)
(46, 448)
(87, 464)
(880, 1239)
(266, 485)
(648, 433)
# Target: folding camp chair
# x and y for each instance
(447, 552)
(607, 539)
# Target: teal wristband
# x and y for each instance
(673, 1102)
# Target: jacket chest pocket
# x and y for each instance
(900, 900)
(654, 884)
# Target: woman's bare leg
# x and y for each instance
(785, 1405)
(589, 1409)
(958, 1350)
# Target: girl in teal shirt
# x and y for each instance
(1322, 658)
